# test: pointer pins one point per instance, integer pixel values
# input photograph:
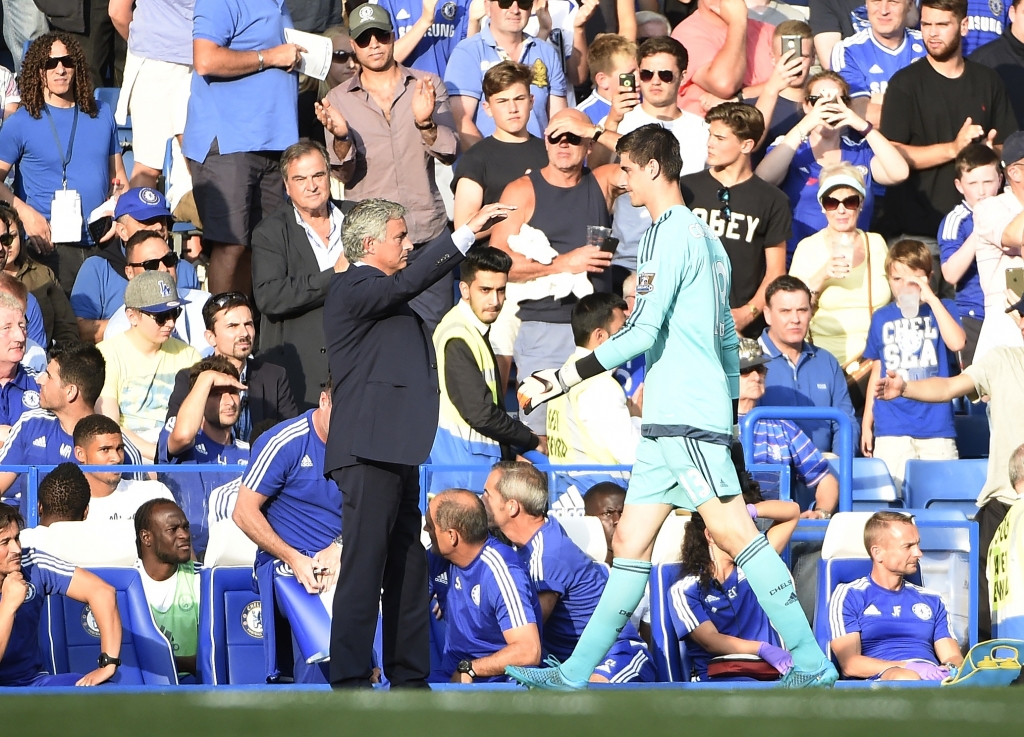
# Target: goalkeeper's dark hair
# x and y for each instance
(652, 142)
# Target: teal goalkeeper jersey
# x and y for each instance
(682, 322)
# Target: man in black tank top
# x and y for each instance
(560, 200)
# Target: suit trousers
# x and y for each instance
(381, 530)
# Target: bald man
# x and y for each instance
(543, 197)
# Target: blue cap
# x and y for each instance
(142, 203)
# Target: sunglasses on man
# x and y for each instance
(169, 259)
(646, 75)
(162, 318)
(831, 204)
(53, 61)
(526, 5)
(571, 138)
(383, 38)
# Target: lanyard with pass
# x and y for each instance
(65, 158)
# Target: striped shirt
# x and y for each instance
(781, 442)
(954, 230)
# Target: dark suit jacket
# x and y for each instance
(289, 288)
(382, 360)
(270, 397)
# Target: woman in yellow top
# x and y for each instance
(844, 267)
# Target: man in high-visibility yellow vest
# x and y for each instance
(594, 422)
(1006, 561)
(473, 427)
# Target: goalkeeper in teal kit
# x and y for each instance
(683, 323)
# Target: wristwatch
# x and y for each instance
(429, 126)
(259, 55)
(338, 542)
(104, 660)
(598, 132)
(466, 666)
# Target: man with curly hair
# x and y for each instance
(64, 142)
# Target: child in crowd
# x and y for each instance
(917, 336)
(608, 57)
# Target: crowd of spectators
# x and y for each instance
(861, 164)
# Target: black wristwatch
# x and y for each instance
(104, 660)
(466, 666)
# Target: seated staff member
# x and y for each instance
(885, 628)
(27, 577)
(293, 514)
(713, 606)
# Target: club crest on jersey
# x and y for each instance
(31, 592)
(252, 619)
(448, 11)
(474, 594)
(30, 399)
(645, 283)
(996, 6)
(89, 622)
(923, 611)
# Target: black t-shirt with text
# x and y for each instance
(760, 218)
(493, 164)
(923, 108)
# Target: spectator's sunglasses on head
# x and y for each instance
(161, 318)
(169, 259)
(526, 5)
(383, 37)
(571, 138)
(724, 196)
(343, 57)
(53, 61)
(224, 300)
(7, 239)
(646, 75)
(812, 100)
(831, 204)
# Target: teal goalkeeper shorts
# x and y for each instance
(682, 472)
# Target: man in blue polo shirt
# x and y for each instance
(19, 391)
(287, 507)
(569, 584)
(800, 374)
(491, 609)
(98, 291)
(496, 42)
(27, 577)
(202, 433)
(885, 628)
(427, 42)
(68, 390)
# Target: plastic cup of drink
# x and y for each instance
(909, 302)
(598, 235)
(843, 246)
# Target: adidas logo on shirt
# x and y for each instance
(875, 69)
(307, 462)
(200, 448)
(40, 442)
(442, 579)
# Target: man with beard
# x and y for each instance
(932, 110)
(169, 577)
(230, 330)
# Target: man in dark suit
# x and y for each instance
(383, 423)
(230, 330)
(295, 252)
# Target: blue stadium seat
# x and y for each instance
(668, 649)
(972, 435)
(774, 479)
(944, 484)
(230, 628)
(873, 488)
(71, 643)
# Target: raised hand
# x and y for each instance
(969, 132)
(331, 118)
(488, 215)
(423, 99)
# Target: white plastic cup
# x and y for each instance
(842, 246)
(597, 235)
(909, 302)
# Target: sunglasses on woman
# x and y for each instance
(850, 203)
(6, 240)
(383, 37)
(571, 138)
(343, 57)
(53, 61)
(646, 75)
(169, 259)
(162, 318)
(523, 4)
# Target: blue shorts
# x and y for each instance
(681, 472)
(627, 661)
(42, 680)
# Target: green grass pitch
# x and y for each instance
(760, 713)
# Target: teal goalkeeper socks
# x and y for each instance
(776, 593)
(625, 589)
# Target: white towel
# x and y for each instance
(533, 244)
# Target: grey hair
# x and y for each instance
(305, 147)
(525, 484)
(368, 219)
(649, 16)
(9, 302)
(1017, 466)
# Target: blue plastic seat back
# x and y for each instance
(71, 642)
(944, 484)
(230, 628)
(669, 649)
(873, 488)
(972, 435)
